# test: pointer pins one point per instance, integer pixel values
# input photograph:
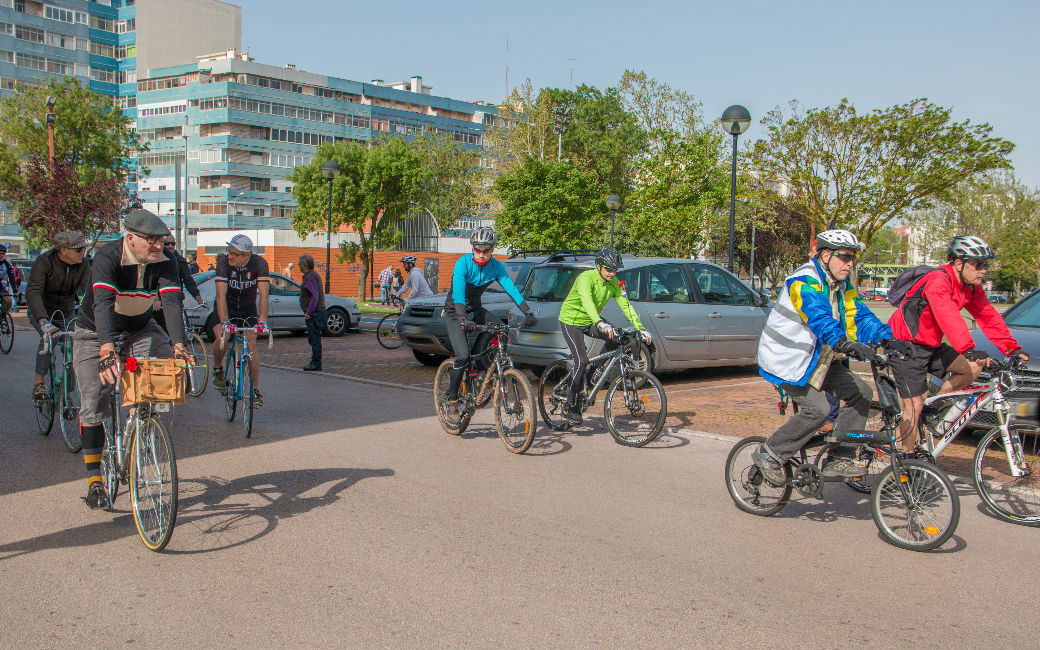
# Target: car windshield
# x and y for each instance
(1025, 313)
(517, 273)
(551, 283)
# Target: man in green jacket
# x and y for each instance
(580, 317)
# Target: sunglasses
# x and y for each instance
(609, 269)
(978, 264)
(482, 251)
(170, 244)
(80, 249)
(846, 257)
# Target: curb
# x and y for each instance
(360, 380)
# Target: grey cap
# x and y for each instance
(146, 223)
(69, 239)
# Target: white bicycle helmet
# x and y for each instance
(837, 239)
(408, 259)
(969, 247)
(483, 236)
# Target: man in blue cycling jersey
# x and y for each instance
(471, 277)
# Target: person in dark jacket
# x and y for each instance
(312, 301)
(187, 281)
(57, 278)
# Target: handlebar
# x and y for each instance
(270, 335)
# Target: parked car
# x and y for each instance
(24, 268)
(874, 295)
(698, 313)
(423, 326)
(284, 312)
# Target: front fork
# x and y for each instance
(1012, 447)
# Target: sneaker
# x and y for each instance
(827, 427)
(39, 393)
(843, 468)
(218, 378)
(771, 469)
(571, 415)
(96, 497)
(258, 399)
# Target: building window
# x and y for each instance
(6, 29)
(102, 49)
(101, 74)
(28, 34)
(104, 24)
(126, 51)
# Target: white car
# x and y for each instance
(284, 312)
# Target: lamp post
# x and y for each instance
(735, 120)
(235, 201)
(330, 170)
(562, 119)
(184, 238)
(613, 203)
(51, 101)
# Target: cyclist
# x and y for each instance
(57, 278)
(187, 281)
(416, 281)
(472, 275)
(580, 317)
(126, 277)
(241, 279)
(930, 312)
(818, 322)
(8, 281)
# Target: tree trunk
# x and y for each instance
(363, 256)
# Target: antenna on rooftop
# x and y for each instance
(572, 70)
(506, 34)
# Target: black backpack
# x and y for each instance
(905, 281)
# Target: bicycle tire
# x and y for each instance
(552, 395)
(68, 412)
(230, 385)
(386, 332)
(153, 483)
(930, 521)
(109, 463)
(1015, 499)
(747, 486)
(441, 380)
(638, 416)
(515, 415)
(6, 333)
(199, 372)
(44, 409)
(247, 400)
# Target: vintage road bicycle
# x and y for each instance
(6, 327)
(386, 331)
(238, 374)
(198, 372)
(62, 398)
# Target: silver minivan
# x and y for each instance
(698, 313)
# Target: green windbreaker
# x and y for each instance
(587, 297)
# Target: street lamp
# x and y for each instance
(613, 203)
(51, 101)
(562, 119)
(330, 170)
(735, 120)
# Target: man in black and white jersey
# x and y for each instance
(241, 279)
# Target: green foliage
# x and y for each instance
(862, 171)
(550, 205)
(888, 245)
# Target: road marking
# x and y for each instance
(360, 380)
(689, 390)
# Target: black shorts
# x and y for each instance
(250, 316)
(911, 374)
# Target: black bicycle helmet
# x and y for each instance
(408, 259)
(483, 236)
(609, 257)
(969, 247)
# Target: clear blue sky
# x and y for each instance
(980, 58)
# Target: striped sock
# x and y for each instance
(93, 442)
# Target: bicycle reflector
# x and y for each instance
(494, 342)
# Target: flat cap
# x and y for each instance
(145, 223)
(69, 239)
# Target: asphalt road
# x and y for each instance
(351, 520)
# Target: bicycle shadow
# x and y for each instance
(214, 514)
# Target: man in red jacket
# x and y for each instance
(932, 310)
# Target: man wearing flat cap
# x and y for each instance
(57, 278)
(115, 322)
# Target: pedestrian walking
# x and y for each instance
(312, 301)
(386, 278)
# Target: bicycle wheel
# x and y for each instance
(515, 416)
(453, 423)
(109, 462)
(68, 412)
(635, 413)
(153, 483)
(45, 408)
(750, 491)
(6, 332)
(1012, 498)
(930, 516)
(386, 332)
(247, 399)
(552, 395)
(231, 383)
(199, 372)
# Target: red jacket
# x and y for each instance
(946, 296)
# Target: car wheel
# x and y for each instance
(428, 359)
(646, 361)
(211, 323)
(337, 322)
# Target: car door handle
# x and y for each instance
(662, 314)
(714, 314)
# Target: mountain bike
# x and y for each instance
(386, 332)
(1006, 464)
(635, 406)
(62, 391)
(913, 503)
(138, 453)
(198, 372)
(238, 375)
(6, 328)
(489, 374)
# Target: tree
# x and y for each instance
(782, 239)
(549, 205)
(377, 189)
(658, 109)
(97, 141)
(862, 171)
